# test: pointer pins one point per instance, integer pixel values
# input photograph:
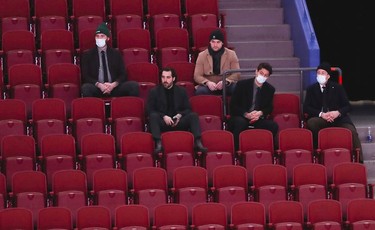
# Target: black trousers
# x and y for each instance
(128, 88)
(189, 122)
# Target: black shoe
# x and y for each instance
(199, 146)
(158, 147)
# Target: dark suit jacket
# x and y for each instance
(90, 65)
(157, 101)
(242, 98)
(336, 100)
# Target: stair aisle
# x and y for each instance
(257, 32)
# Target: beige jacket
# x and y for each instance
(204, 67)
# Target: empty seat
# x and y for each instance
(57, 152)
(94, 157)
(132, 216)
(29, 190)
(286, 215)
(127, 115)
(178, 151)
(248, 215)
(361, 214)
(325, 214)
(230, 185)
(209, 216)
(48, 117)
(69, 189)
(23, 217)
(94, 217)
(110, 193)
(256, 152)
(208, 106)
(164, 219)
(18, 154)
(54, 217)
(150, 187)
(190, 186)
(137, 150)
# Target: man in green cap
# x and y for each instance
(103, 70)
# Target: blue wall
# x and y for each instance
(306, 46)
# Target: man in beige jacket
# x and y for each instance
(210, 65)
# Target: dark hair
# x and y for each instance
(169, 69)
(265, 65)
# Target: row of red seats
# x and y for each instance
(244, 215)
(150, 189)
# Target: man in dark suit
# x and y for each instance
(103, 70)
(327, 105)
(168, 109)
(251, 103)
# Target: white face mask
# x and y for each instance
(321, 79)
(261, 79)
(100, 42)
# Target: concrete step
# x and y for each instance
(368, 150)
(370, 168)
(282, 62)
(258, 32)
(263, 49)
(230, 4)
(253, 16)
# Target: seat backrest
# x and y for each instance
(180, 38)
(69, 179)
(137, 142)
(134, 38)
(178, 141)
(207, 105)
(13, 109)
(54, 217)
(118, 180)
(184, 70)
(335, 137)
(361, 209)
(209, 213)
(23, 216)
(163, 217)
(155, 7)
(218, 141)
(295, 138)
(64, 73)
(29, 181)
(88, 107)
(88, 7)
(286, 103)
(48, 108)
(309, 173)
(25, 74)
(93, 216)
(127, 107)
(57, 39)
(262, 139)
(248, 212)
(132, 215)
(190, 176)
(324, 210)
(89, 144)
(18, 145)
(18, 40)
(286, 211)
(143, 72)
(150, 178)
(58, 144)
(50, 8)
(196, 7)
(120, 7)
(230, 175)
(269, 174)
(16, 8)
(349, 172)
